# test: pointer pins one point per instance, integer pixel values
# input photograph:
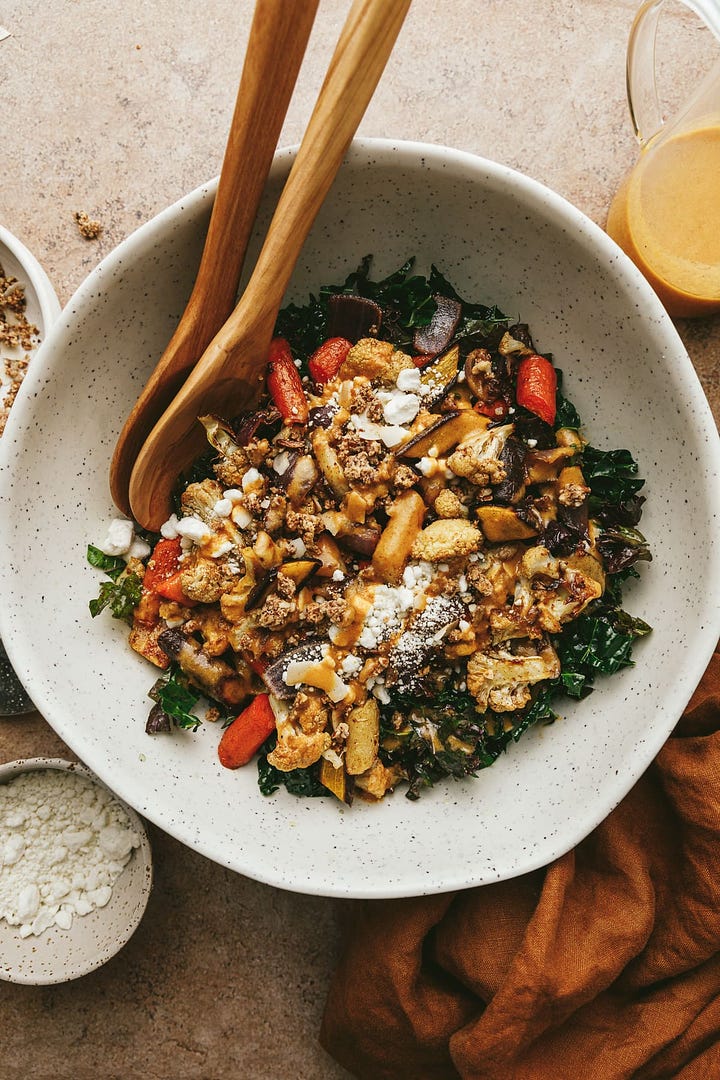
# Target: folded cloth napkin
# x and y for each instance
(606, 964)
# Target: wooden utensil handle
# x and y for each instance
(276, 46)
(358, 62)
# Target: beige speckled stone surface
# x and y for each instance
(119, 109)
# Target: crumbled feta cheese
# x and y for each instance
(192, 528)
(233, 494)
(251, 479)
(389, 435)
(223, 508)
(241, 516)
(389, 607)
(298, 547)
(119, 537)
(168, 530)
(139, 549)
(409, 379)
(351, 664)
(338, 575)
(222, 549)
(281, 462)
(398, 408)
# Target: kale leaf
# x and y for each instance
(121, 596)
(177, 698)
(113, 565)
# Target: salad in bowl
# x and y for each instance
(397, 563)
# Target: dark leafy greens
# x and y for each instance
(121, 593)
(407, 302)
(177, 698)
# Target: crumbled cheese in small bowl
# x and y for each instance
(75, 871)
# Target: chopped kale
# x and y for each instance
(113, 565)
(304, 783)
(611, 475)
(121, 596)
(173, 693)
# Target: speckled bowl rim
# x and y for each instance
(11, 769)
(616, 786)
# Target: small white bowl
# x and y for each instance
(42, 309)
(57, 955)
(43, 306)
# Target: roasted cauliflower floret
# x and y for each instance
(446, 538)
(378, 780)
(558, 589)
(375, 359)
(500, 680)
(202, 579)
(198, 500)
(448, 505)
(301, 738)
(477, 459)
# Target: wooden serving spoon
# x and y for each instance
(229, 376)
(278, 38)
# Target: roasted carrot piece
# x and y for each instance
(328, 358)
(247, 733)
(162, 574)
(537, 386)
(284, 383)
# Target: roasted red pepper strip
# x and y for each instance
(284, 384)
(496, 410)
(328, 358)
(247, 733)
(536, 387)
(162, 574)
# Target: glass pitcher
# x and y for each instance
(666, 213)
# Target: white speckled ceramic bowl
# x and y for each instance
(57, 955)
(499, 237)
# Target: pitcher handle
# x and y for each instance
(642, 94)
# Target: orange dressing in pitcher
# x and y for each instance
(666, 217)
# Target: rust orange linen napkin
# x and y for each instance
(604, 965)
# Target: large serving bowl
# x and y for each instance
(500, 238)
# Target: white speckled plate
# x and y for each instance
(499, 237)
(61, 955)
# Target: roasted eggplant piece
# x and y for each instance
(501, 524)
(261, 589)
(212, 676)
(417, 645)
(438, 334)
(335, 780)
(274, 674)
(352, 317)
(440, 376)
(444, 433)
(299, 478)
(158, 721)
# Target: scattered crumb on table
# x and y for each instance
(89, 229)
